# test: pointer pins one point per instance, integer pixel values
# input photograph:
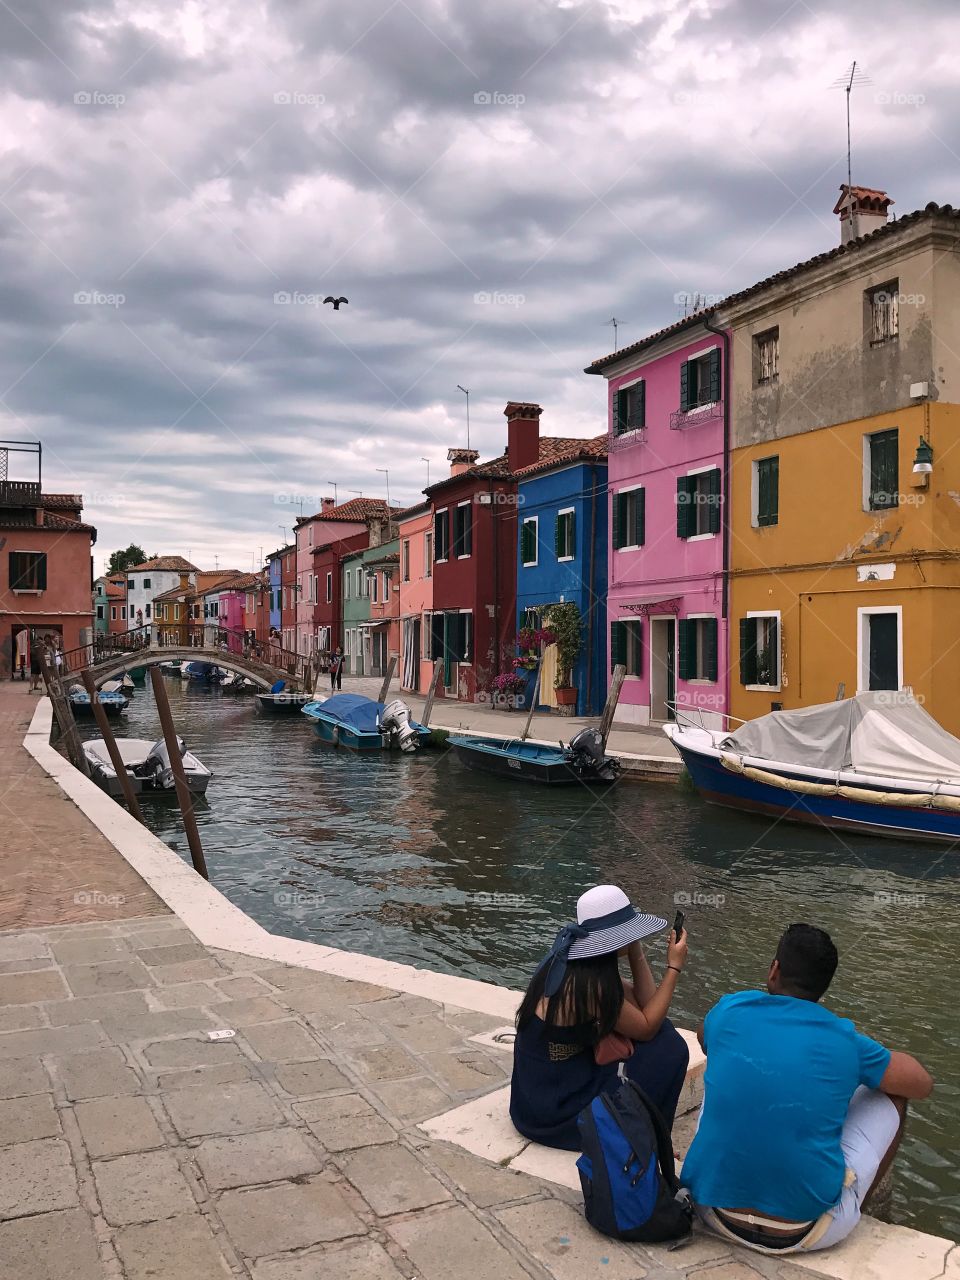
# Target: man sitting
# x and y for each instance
(802, 1114)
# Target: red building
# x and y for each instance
(328, 610)
(473, 625)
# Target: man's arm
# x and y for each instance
(905, 1077)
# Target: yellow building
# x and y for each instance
(844, 519)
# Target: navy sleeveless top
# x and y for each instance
(554, 1078)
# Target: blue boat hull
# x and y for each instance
(721, 786)
(524, 761)
(351, 722)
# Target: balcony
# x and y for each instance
(19, 493)
(698, 416)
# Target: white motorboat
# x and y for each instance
(147, 764)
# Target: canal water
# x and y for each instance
(418, 860)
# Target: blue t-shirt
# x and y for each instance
(779, 1079)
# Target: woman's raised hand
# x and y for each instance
(677, 951)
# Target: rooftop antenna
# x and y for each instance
(427, 461)
(283, 530)
(358, 492)
(616, 336)
(333, 485)
(467, 394)
(854, 75)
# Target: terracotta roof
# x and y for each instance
(212, 579)
(562, 452)
(51, 522)
(408, 513)
(282, 551)
(552, 450)
(73, 501)
(392, 557)
(175, 593)
(357, 509)
(112, 591)
(174, 564)
(240, 582)
(931, 210)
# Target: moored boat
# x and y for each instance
(877, 764)
(583, 760)
(205, 672)
(112, 701)
(147, 764)
(351, 720)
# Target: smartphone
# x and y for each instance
(678, 925)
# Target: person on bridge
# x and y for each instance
(336, 668)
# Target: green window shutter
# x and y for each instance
(715, 500)
(884, 470)
(686, 512)
(710, 644)
(615, 522)
(641, 405)
(618, 644)
(715, 392)
(572, 533)
(687, 648)
(526, 530)
(684, 386)
(748, 651)
(768, 491)
(558, 536)
(618, 413)
(639, 516)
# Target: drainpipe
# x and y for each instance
(496, 592)
(593, 556)
(724, 337)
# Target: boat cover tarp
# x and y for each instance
(886, 733)
(353, 709)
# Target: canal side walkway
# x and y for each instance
(186, 1096)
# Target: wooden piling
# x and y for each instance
(64, 714)
(533, 704)
(388, 679)
(184, 797)
(111, 744)
(613, 697)
(431, 693)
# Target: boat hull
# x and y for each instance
(721, 786)
(524, 761)
(284, 703)
(343, 735)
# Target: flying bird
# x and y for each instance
(336, 301)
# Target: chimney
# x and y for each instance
(523, 434)
(327, 504)
(861, 210)
(461, 460)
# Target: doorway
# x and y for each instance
(663, 668)
(881, 657)
(380, 652)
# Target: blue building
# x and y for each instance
(274, 562)
(562, 556)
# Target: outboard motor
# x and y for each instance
(395, 722)
(158, 760)
(588, 758)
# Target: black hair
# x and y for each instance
(808, 960)
(590, 995)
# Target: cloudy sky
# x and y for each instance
(488, 182)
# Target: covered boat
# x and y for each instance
(147, 764)
(112, 701)
(876, 763)
(583, 760)
(351, 720)
(284, 700)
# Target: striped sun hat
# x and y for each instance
(611, 922)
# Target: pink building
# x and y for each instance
(330, 524)
(668, 533)
(416, 597)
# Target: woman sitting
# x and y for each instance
(563, 1055)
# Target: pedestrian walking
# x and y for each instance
(336, 668)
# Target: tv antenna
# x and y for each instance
(854, 75)
(467, 394)
(616, 327)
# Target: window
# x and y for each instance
(766, 348)
(528, 540)
(113, 613)
(28, 570)
(760, 651)
(441, 534)
(766, 492)
(146, 584)
(360, 589)
(100, 612)
(700, 380)
(176, 613)
(463, 530)
(626, 646)
(698, 503)
(882, 470)
(697, 648)
(285, 597)
(457, 636)
(329, 588)
(131, 584)
(146, 610)
(372, 588)
(629, 518)
(386, 587)
(565, 534)
(428, 554)
(883, 313)
(123, 612)
(630, 408)
(405, 560)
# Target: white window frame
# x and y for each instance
(468, 503)
(330, 587)
(770, 688)
(405, 560)
(535, 521)
(360, 591)
(699, 408)
(700, 471)
(634, 546)
(701, 617)
(863, 648)
(570, 511)
(113, 613)
(386, 587)
(443, 511)
(428, 553)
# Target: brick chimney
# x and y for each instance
(861, 210)
(327, 504)
(523, 434)
(461, 460)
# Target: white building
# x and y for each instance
(151, 579)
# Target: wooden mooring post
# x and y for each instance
(111, 744)
(613, 697)
(184, 797)
(388, 679)
(533, 704)
(431, 693)
(64, 714)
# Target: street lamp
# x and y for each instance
(923, 462)
(467, 394)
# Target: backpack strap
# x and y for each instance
(662, 1135)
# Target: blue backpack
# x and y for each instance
(627, 1174)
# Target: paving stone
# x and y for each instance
(26, 1118)
(86, 950)
(20, 1017)
(402, 1008)
(20, 1076)
(236, 962)
(225, 1108)
(98, 1074)
(291, 1216)
(426, 1035)
(347, 1030)
(282, 1042)
(22, 1044)
(166, 931)
(36, 1177)
(453, 1245)
(189, 1051)
(226, 1073)
(123, 1004)
(392, 1180)
(412, 1100)
(176, 954)
(175, 1249)
(245, 1012)
(154, 1024)
(303, 1078)
(731, 1271)
(465, 1071)
(28, 988)
(345, 1122)
(250, 1158)
(561, 1240)
(188, 971)
(23, 946)
(117, 1126)
(486, 1184)
(386, 1062)
(104, 979)
(50, 1246)
(141, 1188)
(25, 966)
(185, 995)
(243, 988)
(359, 1260)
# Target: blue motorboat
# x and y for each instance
(351, 720)
(876, 764)
(207, 672)
(582, 760)
(112, 701)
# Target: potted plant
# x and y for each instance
(565, 623)
(508, 690)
